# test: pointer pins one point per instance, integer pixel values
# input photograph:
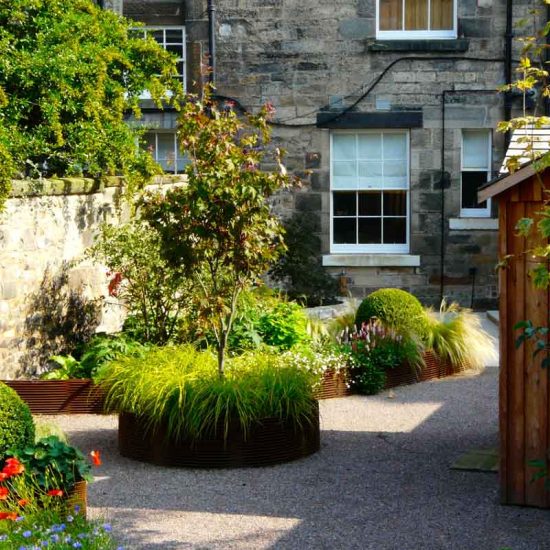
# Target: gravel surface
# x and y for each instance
(381, 481)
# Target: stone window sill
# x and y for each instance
(425, 45)
(371, 260)
(473, 224)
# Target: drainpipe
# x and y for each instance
(212, 42)
(508, 67)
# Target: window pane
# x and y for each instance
(340, 168)
(416, 15)
(370, 231)
(395, 146)
(441, 12)
(174, 36)
(369, 169)
(149, 143)
(391, 15)
(475, 149)
(395, 203)
(343, 147)
(370, 146)
(471, 181)
(395, 173)
(344, 204)
(176, 50)
(158, 36)
(370, 204)
(395, 231)
(345, 231)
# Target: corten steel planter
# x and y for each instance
(269, 442)
(333, 384)
(435, 368)
(77, 396)
(78, 496)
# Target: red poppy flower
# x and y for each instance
(13, 467)
(8, 515)
(55, 493)
(22, 502)
(4, 492)
(3, 476)
(96, 458)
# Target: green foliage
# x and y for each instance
(100, 349)
(16, 423)
(53, 463)
(284, 326)
(456, 336)
(180, 386)
(373, 350)
(396, 309)
(539, 336)
(366, 376)
(69, 73)
(155, 291)
(219, 226)
(299, 269)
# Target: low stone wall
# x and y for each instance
(50, 296)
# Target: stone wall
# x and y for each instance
(50, 295)
(322, 56)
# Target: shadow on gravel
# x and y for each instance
(373, 485)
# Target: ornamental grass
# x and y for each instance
(180, 388)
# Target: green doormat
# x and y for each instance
(478, 460)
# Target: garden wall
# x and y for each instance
(50, 296)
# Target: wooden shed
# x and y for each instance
(524, 384)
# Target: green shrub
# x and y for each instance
(396, 309)
(285, 326)
(180, 386)
(455, 335)
(16, 423)
(366, 376)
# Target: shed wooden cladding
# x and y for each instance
(524, 384)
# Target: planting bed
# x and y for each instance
(59, 396)
(269, 442)
(333, 384)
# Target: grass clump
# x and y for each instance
(181, 388)
(456, 336)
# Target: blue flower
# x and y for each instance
(70, 518)
(27, 534)
(82, 535)
(76, 508)
(107, 527)
(77, 545)
(55, 538)
(3, 538)
(22, 548)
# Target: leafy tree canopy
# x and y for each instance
(69, 72)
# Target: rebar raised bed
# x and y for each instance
(333, 384)
(76, 396)
(270, 441)
(435, 368)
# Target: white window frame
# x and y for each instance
(420, 34)
(177, 156)
(476, 212)
(153, 28)
(371, 248)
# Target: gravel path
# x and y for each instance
(381, 481)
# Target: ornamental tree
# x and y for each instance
(69, 74)
(219, 225)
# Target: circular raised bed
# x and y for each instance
(268, 442)
(78, 496)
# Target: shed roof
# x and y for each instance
(537, 138)
(504, 182)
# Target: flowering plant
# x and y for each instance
(54, 464)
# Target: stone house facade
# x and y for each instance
(387, 110)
